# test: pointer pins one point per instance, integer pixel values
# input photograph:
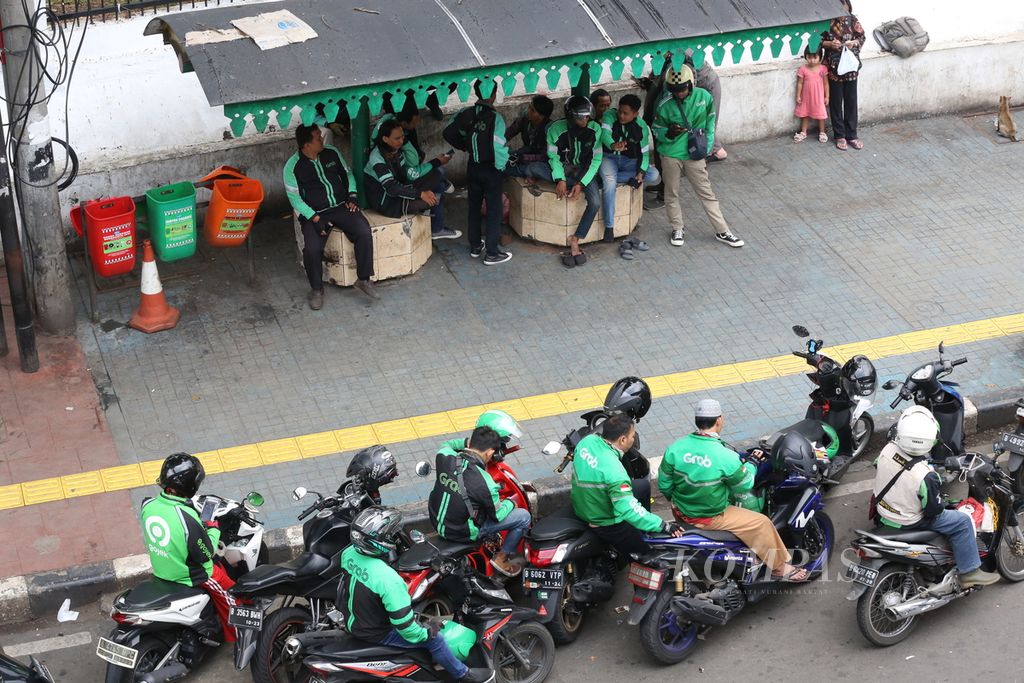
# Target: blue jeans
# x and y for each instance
(516, 523)
(958, 528)
(439, 651)
(616, 169)
(592, 193)
(540, 170)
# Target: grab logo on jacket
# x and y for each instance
(694, 459)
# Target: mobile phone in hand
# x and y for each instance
(209, 507)
(450, 152)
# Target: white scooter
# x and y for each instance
(165, 629)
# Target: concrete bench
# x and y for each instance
(400, 247)
(551, 220)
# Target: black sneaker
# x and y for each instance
(729, 238)
(478, 676)
(654, 202)
(495, 259)
(476, 251)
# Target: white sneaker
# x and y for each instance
(677, 238)
(729, 238)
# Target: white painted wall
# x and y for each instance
(136, 121)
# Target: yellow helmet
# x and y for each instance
(678, 80)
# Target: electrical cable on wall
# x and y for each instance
(50, 64)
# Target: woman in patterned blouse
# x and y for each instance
(844, 31)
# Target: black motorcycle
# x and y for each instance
(1013, 443)
(307, 583)
(13, 671)
(925, 386)
(899, 574)
(518, 649)
(839, 404)
(569, 569)
(704, 578)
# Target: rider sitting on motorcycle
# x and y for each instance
(182, 547)
(602, 494)
(375, 600)
(700, 475)
(914, 497)
(465, 504)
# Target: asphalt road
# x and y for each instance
(808, 634)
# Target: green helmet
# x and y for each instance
(831, 441)
(506, 427)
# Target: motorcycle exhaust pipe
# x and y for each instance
(175, 671)
(701, 611)
(915, 606)
(300, 642)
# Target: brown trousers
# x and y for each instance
(754, 529)
(696, 172)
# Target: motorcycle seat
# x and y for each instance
(157, 593)
(909, 535)
(560, 526)
(420, 555)
(347, 648)
(711, 535)
(306, 564)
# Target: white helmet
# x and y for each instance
(916, 431)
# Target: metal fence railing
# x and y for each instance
(112, 10)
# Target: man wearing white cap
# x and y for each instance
(700, 475)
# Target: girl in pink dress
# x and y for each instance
(811, 95)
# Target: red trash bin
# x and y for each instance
(110, 224)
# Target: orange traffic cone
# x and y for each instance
(153, 313)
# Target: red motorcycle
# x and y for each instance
(414, 565)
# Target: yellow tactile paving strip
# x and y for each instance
(461, 419)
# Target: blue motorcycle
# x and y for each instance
(685, 585)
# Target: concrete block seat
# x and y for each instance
(400, 247)
(551, 220)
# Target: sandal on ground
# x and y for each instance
(626, 250)
(841, 144)
(639, 245)
(568, 261)
(580, 258)
(822, 137)
(795, 575)
(856, 144)
(799, 136)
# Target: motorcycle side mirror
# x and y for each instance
(299, 493)
(801, 331)
(416, 536)
(890, 385)
(254, 498)
(942, 348)
(423, 468)
(552, 448)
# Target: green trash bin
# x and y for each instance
(171, 214)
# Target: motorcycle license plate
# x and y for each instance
(115, 653)
(542, 579)
(864, 575)
(1013, 442)
(243, 616)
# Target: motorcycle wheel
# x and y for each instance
(1010, 556)
(863, 429)
(567, 617)
(436, 605)
(268, 664)
(894, 584)
(151, 651)
(817, 542)
(663, 635)
(533, 643)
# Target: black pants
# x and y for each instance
(484, 184)
(396, 207)
(842, 108)
(625, 537)
(356, 229)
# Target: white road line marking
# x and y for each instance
(48, 644)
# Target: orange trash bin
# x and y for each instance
(232, 210)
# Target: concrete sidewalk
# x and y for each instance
(919, 230)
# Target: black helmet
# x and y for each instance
(859, 376)
(372, 468)
(828, 377)
(375, 530)
(578, 107)
(183, 473)
(794, 453)
(630, 396)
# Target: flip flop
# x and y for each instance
(568, 261)
(626, 250)
(580, 258)
(791, 576)
(639, 245)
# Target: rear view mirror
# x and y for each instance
(890, 385)
(552, 448)
(423, 468)
(299, 493)
(801, 331)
